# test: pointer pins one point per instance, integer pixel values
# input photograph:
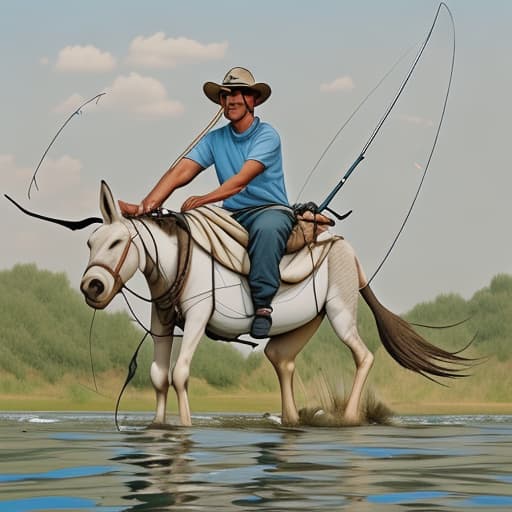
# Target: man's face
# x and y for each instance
(234, 106)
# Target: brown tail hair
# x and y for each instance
(411, 350)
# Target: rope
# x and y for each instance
(132, 369)
(198, 137)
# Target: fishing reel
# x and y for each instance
(299, 209)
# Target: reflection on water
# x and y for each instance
(79, 462)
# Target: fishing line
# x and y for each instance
(347, 121)
(324, 205)
(78, 111)
(436, 137)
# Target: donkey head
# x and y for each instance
(114, 257)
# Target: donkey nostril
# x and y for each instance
(96, 286)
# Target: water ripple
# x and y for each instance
(58, 474)
(235, 462)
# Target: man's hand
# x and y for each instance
(128, 208)
(181, 174)
(192, 202)
(136, 209)
(230, 187)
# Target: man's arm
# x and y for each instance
(230, 187)
(178, 176)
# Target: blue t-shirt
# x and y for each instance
(228, 150)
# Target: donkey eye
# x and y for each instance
(114, 244)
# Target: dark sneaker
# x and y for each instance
(261, 324)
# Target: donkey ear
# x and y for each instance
(107, 204)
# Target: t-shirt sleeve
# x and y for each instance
(266, 147)
(202, 153)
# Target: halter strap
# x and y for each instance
(116, 272)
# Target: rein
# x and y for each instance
(168, 300)
(166, 304)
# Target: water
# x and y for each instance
(79, 462)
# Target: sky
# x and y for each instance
(321, 59)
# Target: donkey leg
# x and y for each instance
(363, 359)
(344, 324)
(281, 351)
(194, 328)
(159, 371)
(160, 375)
(341, 309)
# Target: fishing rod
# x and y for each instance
(326, 202)
(76, 112)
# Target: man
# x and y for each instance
(247, 157)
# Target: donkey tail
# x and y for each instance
(411, 350)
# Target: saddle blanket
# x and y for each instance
(215, 231)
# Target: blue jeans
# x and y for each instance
(269, 230)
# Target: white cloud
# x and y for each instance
(70, 104)
(87, 59)
(60, 174)
(141, 95)
(157, 51)
(342, 83)
(13, 175)
(55, 176)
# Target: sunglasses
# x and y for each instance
(235, 90)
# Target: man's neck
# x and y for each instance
(244, 123)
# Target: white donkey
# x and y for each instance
(212, 298)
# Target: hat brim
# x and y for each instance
(262, 91)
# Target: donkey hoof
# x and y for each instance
(352, 420)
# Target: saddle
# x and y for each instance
(218, 233)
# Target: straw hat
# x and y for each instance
(237, 78)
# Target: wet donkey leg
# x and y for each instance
(281, 351)
(195, 325)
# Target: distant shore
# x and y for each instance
(220, 401)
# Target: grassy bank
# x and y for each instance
(45, 357)
(221, 402)
(74, 396)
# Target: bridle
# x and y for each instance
(116, 272)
